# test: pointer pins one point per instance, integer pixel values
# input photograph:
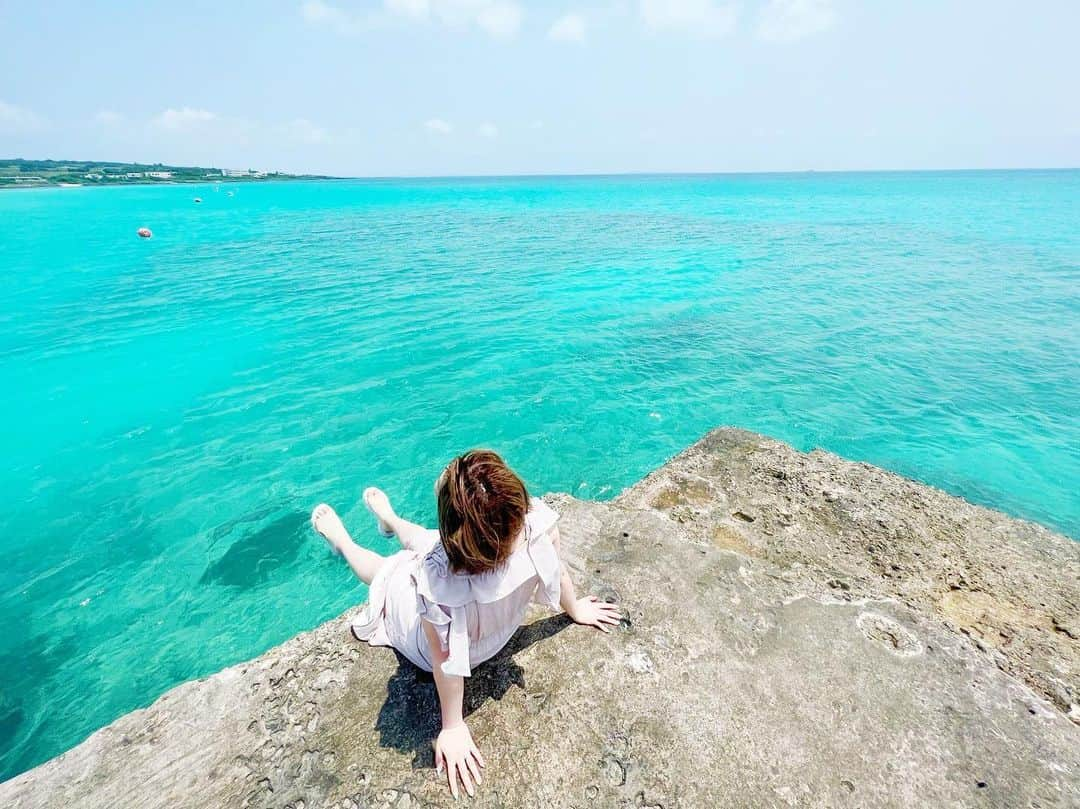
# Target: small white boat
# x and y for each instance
(144, 233)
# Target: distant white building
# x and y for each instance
(159, 175)
(94, 176)
(133, 174)
(244, 173)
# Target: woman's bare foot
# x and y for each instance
(326, 521)
(379, 505)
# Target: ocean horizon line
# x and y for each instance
(767, 173)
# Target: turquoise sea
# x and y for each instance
(173, 408)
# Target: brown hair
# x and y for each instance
(482, 507)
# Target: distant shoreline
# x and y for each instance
(24, 173)
(162, 183)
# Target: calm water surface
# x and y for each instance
(173, 408)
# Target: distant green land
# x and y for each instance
(19, 173)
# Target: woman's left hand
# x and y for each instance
(591, 611)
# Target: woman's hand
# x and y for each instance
(456, 753)
(591, 611)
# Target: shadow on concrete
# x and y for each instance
(409, 719)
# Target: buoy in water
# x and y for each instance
(144, 233)
(198, 199)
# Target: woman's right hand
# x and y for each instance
(457, 754)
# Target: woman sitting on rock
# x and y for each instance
(453, 597)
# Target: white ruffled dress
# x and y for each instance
(474, 615)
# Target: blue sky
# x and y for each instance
(430, 87)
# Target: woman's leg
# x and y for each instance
(409, 534)
(364, 563)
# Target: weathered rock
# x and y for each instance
(802, 631)
(851, 530)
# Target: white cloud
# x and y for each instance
(418, 9)
(499, 18)
(183, 118)
(705, 18)
(190, 125)
(502, 20)
(178, 124)
(108, 118)
(788, 20)
(568, 28)
(304, 131)
(15, 119)
(488, 130)
(439, 126)
(316, 12)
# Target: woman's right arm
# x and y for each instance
(455, 750)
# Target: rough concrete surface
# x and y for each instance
(802, 631)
